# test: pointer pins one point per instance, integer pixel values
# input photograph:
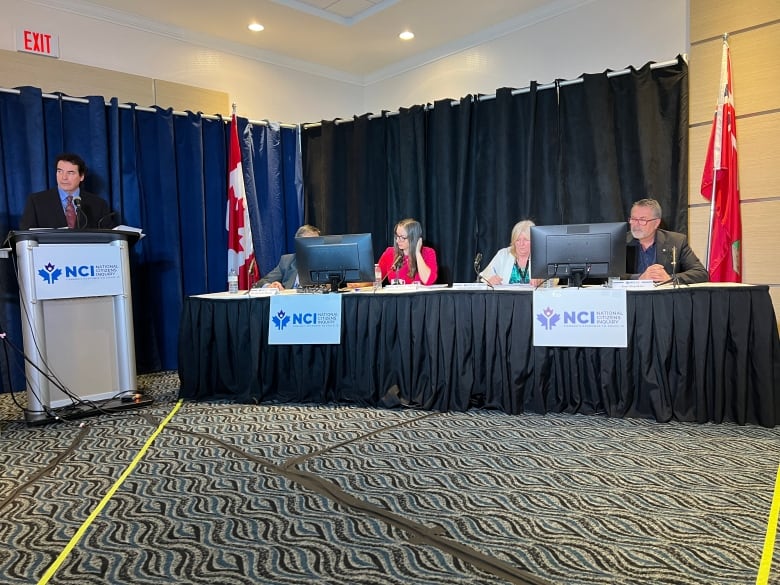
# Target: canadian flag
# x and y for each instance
(241, 251)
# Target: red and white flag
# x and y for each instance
(720, 185)
(241, 252)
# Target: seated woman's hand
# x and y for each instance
(495, 279)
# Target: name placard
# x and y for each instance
(304, 319)
(580, 317)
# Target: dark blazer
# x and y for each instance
(44, 210)
(689, 269)
(285, 272)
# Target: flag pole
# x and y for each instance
(717, 146)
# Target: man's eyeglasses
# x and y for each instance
(642, 220)
(400, 237)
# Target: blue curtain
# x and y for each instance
(163, 172)
(274, 188)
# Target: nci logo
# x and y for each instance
(549, 318)
(282, 319)
(50, 273)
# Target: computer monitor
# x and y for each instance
(334, 260)
(578, 251)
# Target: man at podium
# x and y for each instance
(67, 205)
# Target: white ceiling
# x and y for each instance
(356, 40)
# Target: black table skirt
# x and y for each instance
(694, 354)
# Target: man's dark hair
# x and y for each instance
(73, 159)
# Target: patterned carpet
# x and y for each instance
(333, 494)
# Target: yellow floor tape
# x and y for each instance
(769, 540)
(83, 528)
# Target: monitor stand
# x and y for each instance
(335, 281)
(576, 278)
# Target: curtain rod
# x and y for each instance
(516, 91)
(68, 98)
(580, 79)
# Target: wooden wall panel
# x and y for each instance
(755, 64)
(55, 75)
(774, 292)
(711, 18)
(698, 220)
(759, 239)
(703, 81)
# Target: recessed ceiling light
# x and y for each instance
(407, 35)
(256, 27)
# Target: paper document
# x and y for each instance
(127, 228)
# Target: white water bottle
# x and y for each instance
(233, 281)
(377, 277)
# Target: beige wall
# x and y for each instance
(54, 75)
(754, 41)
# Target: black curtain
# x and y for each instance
(516, 164)
(468, 170)
(623, 138)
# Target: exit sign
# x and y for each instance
(38, 42)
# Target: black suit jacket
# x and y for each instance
(689, 269)
(44, 210)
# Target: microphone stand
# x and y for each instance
(395, 267)
(480, 278)
(79, 213)
(675, 280)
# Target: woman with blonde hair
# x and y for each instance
(407, 260)
(512, 265)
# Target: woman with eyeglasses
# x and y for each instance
(407, 260)
(512, 265)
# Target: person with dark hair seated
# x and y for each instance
(407, 260)
(68, 205)
(651, 251)
(285, 274)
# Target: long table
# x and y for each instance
(702, 353)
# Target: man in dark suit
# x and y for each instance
(285, 274)
(67, 205)
(651, 251)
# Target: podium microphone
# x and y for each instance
(477, 263)
(79, 212)
(396, 265)
(480, 278)
(674, 265)
(251, 272)
(104, 218)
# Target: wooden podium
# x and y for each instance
(77, 322)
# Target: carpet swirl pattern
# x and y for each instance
(278, 494)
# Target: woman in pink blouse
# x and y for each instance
(408, 260)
